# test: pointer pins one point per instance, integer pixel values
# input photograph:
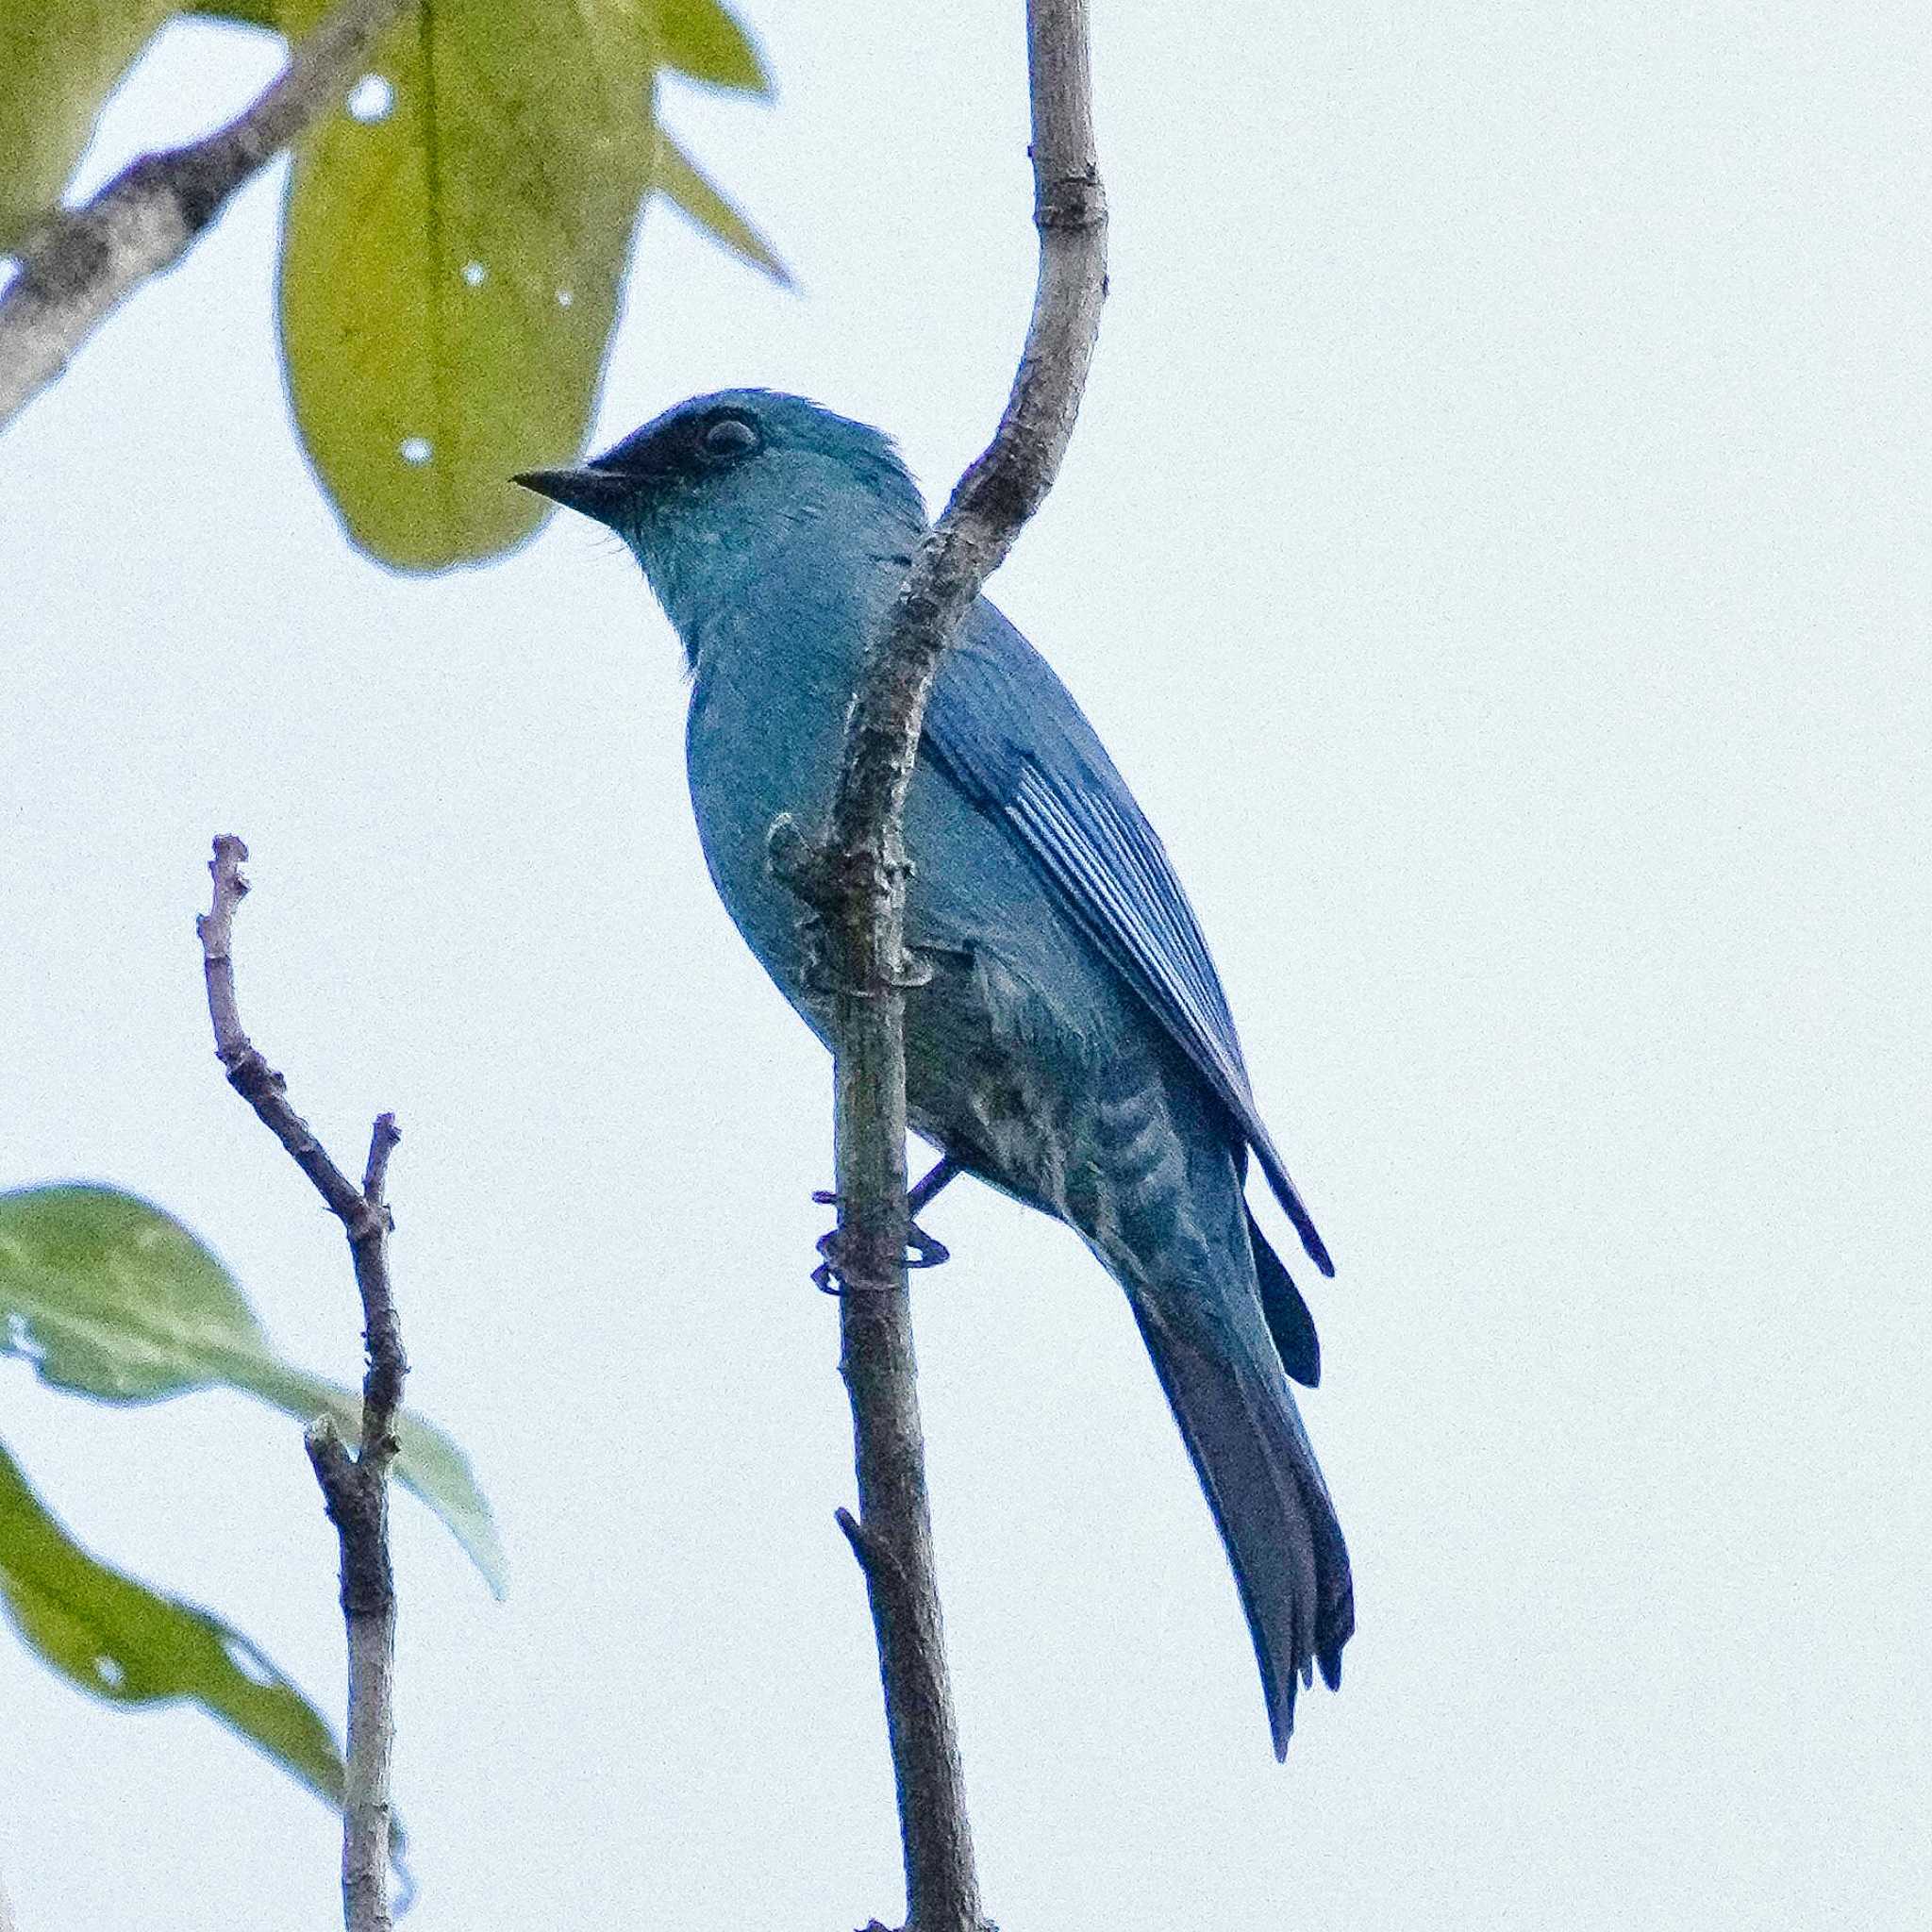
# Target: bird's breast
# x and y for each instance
(748, 764)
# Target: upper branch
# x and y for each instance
(855, 877)
(251, 1076)
(362, 1211)
(81, 264)
(1006, 483)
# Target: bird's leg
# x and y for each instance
(925, 1251)
(943, 1170)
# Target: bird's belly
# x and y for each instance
(974, 1090)
(1023, 1060)
(1053, 1094)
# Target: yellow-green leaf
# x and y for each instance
(700, 39)
(109, 1296)
(452, 262)
(266, 13)
(60, 60)
(685, 185)
(131, 1645)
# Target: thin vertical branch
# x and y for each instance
(355, 1486)
(856, 875)
(81, 264)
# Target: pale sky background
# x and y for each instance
(1496, 549)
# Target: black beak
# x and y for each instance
(594, 493)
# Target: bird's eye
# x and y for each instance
(725, 437)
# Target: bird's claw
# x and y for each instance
(923, 1250)
(926, 1251)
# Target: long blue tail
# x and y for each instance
(1225, 1382)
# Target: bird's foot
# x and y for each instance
(923, 1250)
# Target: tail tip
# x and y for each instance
(1281, 1708)
(1281, 1723)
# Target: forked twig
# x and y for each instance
(355, 1485)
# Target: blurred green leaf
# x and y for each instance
(687, 188)
(700, 39)
(60, 60)
(451, 266)
(128, 1644)
(455, 238)
(110, 1298)
(241, 12)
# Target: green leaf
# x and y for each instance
(128, 1644)
(699, 38)
(451, 269)
(60, 60)
(688, 189)
(452, 260)
(266, 13)
(110, 1298)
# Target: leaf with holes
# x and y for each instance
(456, 236)
(60, 60)
(456, 241)
(131, 1645)
(109, 1297)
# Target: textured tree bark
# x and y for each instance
(355, 1491)
(83, 264)
(856, 875)
(355, 1486)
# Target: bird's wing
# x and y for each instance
(1008, 733)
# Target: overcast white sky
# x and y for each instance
(1496, 548)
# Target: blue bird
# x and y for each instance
(1072, 1046)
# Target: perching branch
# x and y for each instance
(355, 1487)
(856, 875)
(82, 264)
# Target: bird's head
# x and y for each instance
(701, 491)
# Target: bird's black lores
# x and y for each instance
(1074, 1046)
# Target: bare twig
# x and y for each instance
(80, 265)
(355, 1487)
(857, 874)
